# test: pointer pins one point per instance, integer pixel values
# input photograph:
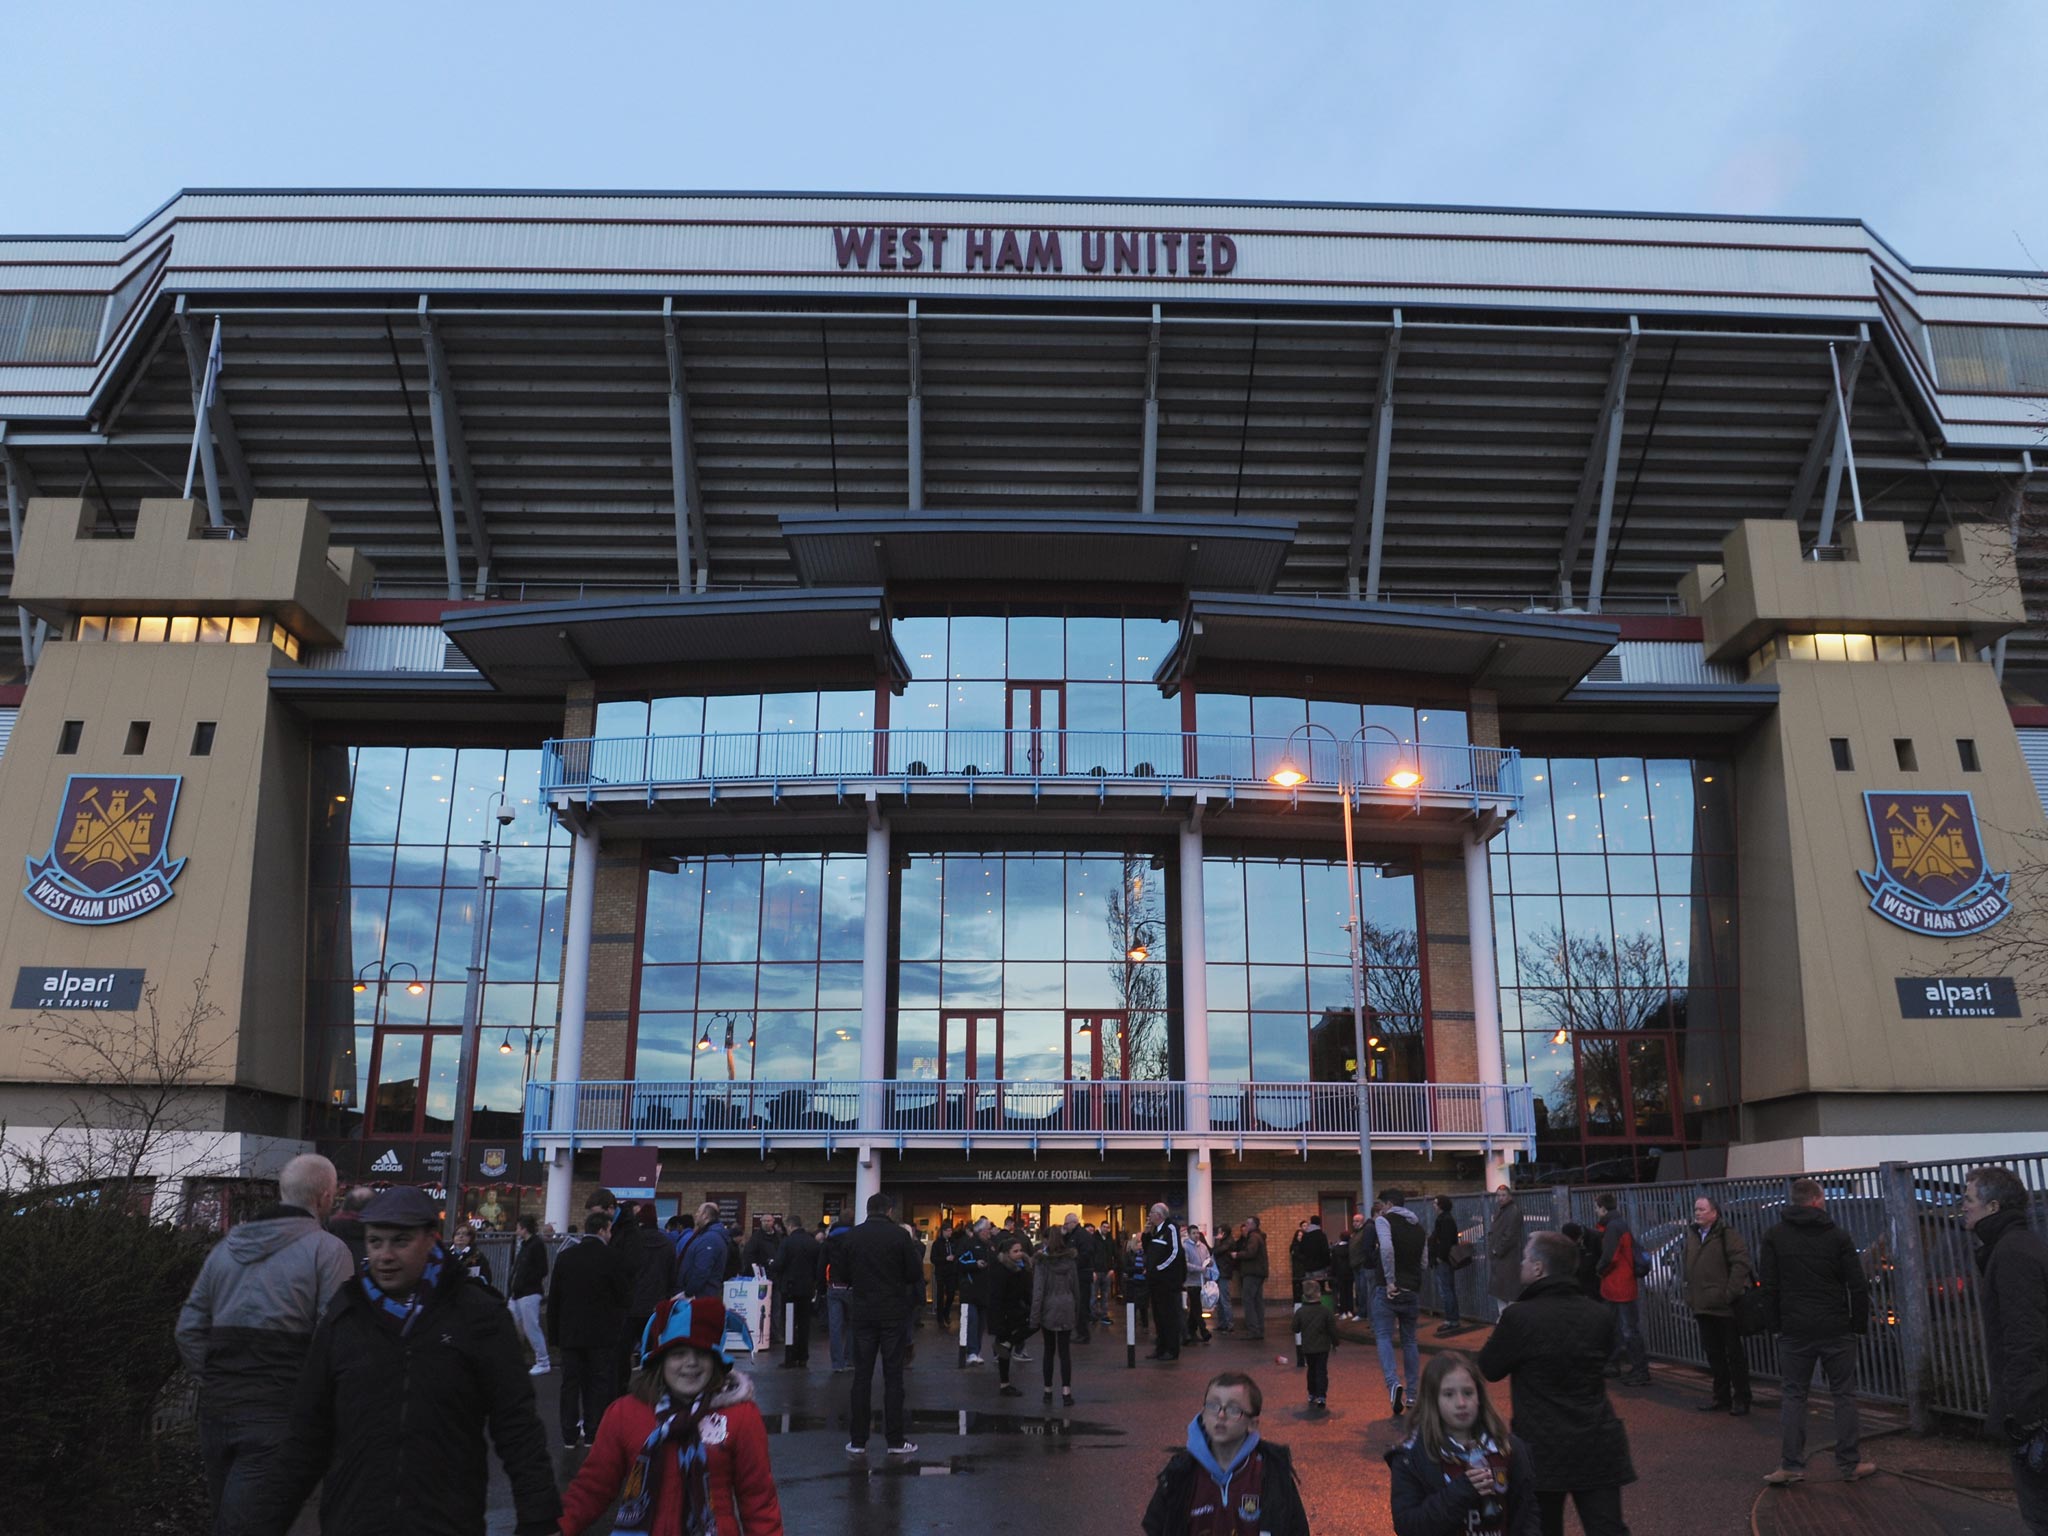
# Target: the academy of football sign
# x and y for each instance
(108, 858)
(1931, 876)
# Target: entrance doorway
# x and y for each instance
(1626, 1087)
(413, 1084)
(970, 1069)
(1037, 720)
(1095, 1047)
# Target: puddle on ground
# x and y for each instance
(964, 1422)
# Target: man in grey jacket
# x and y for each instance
(246, 1327)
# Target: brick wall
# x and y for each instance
(614, 927)
(579, 716)
(1452, 1031)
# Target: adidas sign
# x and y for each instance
(388, 1163)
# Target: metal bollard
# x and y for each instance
(1130, 1335)
(789, 1332)
(963, 1335)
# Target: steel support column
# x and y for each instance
(1827, 430)
(874, 1012)
(693, 554)
(575, 1003)
(1490, 1056)
(1603, 459)
(914, 424)
(451, 453)
(1369, 522)
(220, 420)
(1194, 1029)
(1148, 468)
(1844, 454)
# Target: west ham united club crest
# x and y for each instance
(1931, 876)
(108, 857)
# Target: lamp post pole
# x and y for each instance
(472, 1018)
(1347, 786)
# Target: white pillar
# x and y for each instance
(1194, 1034)
(874, 999)
(1486, 998)
(575, 1003)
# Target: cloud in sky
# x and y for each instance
(1919, 118)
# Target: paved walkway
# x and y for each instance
(991, 1465)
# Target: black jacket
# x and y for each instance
(587, 1303)
(883, 1264)
(1315, 1251)
(529, 1268)
(1429, 1501)
(395, 1426)
(1009, 1302)
(2013, 1261)
(1554, 1344)
(762, 1246)
(653, 1259)
(796, 1265)
(832, 1253)
(1443, 1237)
(1166, 1261)
(1813, 1278)
(1280, 1510)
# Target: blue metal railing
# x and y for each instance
(1381, 770)
(1108, 1112)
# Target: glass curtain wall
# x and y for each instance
(1224, 720)
(1615, 926)
(678, 736)
(1032, 966)
(1279, 974)
(393, 906)
(750, 969)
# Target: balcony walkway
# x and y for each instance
(1288, 1117)
(1163, 763)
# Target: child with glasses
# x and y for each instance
(1227, 1479)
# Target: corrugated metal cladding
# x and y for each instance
(2034, 747)
(1672, 662)
(7, 719)
(385, 648)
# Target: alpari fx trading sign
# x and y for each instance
(1931, 876)
(108, 858)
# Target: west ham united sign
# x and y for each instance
(1930, 876)
(108, 857)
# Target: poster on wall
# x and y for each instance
(1931, 876)
(747, 1300)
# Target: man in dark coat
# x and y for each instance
(1315, 1251)
(347, 1223)
(884, 1265)
(795, 1270)
(1166, 1271)
(1253, 1266)
(762, 1245)
(524, 1286)
(1818, 1302)
(586, 1315)
(706, 1257)
(1504, 1248)
(1717, 1270)
(2012, 1263)
(410, 1366)
(1553, 1345)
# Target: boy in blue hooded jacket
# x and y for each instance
(1228, 1481)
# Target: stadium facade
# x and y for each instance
(928, 691)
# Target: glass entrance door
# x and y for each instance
(1095, 1047)
(971, 1067)
(414, 1084)
(1037, 718)
(1625, 1086)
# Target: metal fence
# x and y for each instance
(1925, 1347)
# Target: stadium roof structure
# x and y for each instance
(561, 396)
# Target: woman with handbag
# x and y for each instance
(1717, 1284)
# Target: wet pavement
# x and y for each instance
(990, 1465)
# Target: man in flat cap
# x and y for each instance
(410, 1365)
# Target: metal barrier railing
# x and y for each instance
(1406, 1114)
(1405, 771)
(1925, 1348)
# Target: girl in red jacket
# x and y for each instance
(684, 1451)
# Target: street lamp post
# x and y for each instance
(1404, 776)
(472, 1018)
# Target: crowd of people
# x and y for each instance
(366, 1357)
